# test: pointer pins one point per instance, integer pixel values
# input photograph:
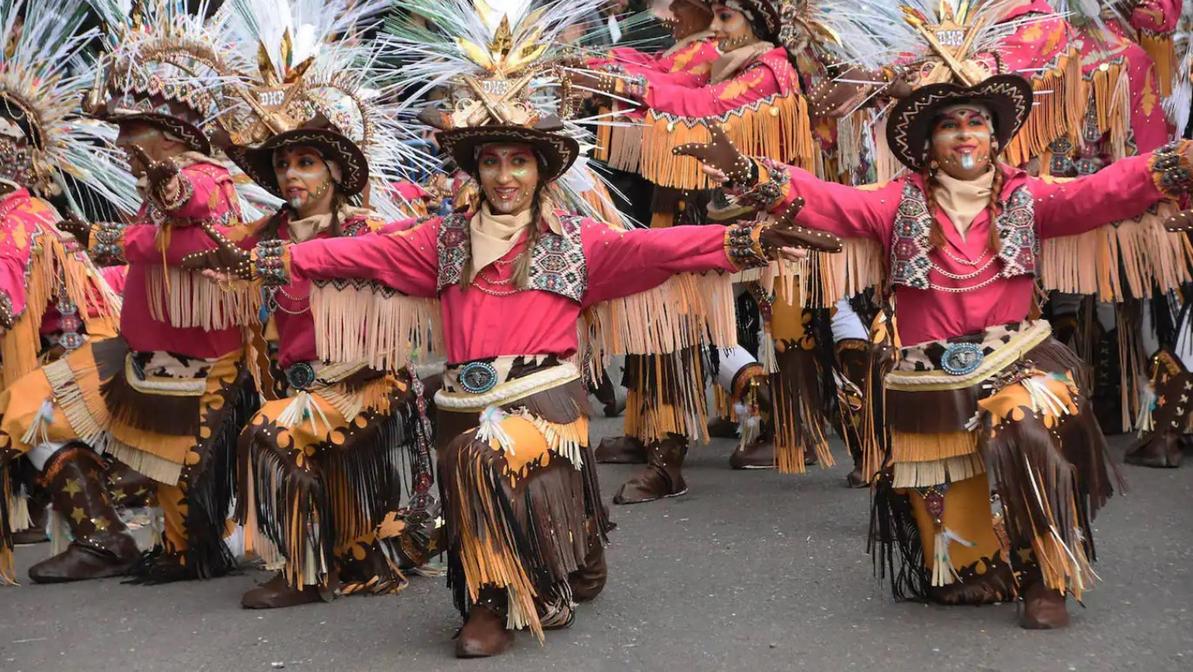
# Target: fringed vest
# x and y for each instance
(1019, 250)
(557, 262)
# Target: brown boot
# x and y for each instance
(102, 545)
(588, 582)
(484, 633)
(662, 476)
(758, 454)
(130, 489)
(621, 450)
(853, 359)
(994, 586)
(1173, 405)
(722, 428)
(277, 593)
(606, 393)
(1043, 608)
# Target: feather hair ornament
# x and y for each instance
(43, 75)
(499, 62)
(313, 61)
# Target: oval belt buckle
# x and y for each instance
(300, 376)
(478, 377)
(961, 359)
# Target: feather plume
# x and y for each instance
(45, 73)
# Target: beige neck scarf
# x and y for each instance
(493, 236)
(963, 200)
(302, 230)
(731, 62)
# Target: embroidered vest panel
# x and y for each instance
(910, 246)
(557, 262)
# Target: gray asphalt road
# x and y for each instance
(749, 571)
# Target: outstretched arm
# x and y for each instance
(621, 263)
(405, 260)
(1122, 190)
(769, 186)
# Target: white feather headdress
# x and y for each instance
(43, 76)
(314, 62)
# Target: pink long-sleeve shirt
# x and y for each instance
(1149, 125)
(213, 197)
(22, 217)
(686, 65)
(1123, 190)
(295, 325)
(768, 75)
(479, 324)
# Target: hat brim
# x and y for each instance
(257, 162)
(190, 134)
(1008, 97)
(558, 151)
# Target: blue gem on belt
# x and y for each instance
(300, 376)
(478, 377)
(960, 359)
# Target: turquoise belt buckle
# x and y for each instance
(478, 377)
(960, 359)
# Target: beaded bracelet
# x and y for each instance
(106, 245)
(743, 246)
(1171, 170)
(269, 263)
(766, 192)
(7, 319)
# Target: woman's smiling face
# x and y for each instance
(961, 141)
(304, 179)
(509, 177)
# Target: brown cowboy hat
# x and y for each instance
(557, 151)
(171, 116)
(1008, 97)
(257, 162)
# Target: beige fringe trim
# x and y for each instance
(151, 466)
(936, 472)
(909, 447)
(187, 300)
(619, 146)
(1060, 104)
(362, 324)
(70, 398)
(18, 512)
(777, 127)
(1112, 260)
(51, 268)
(688, 310)
(1162, 50)
(857, 267)
(1110, 94)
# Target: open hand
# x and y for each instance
(225, 262)
(720, 155)
(157, 172)
(75, 226)
(785, 236)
